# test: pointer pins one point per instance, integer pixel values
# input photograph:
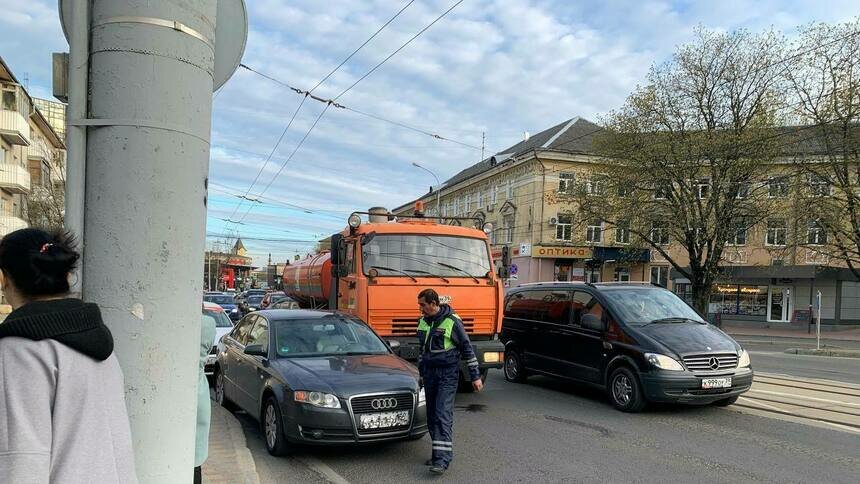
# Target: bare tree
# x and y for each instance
(825, 90)
(682, 160)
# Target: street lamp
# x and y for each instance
(438, 189)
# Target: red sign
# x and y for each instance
(497, 253)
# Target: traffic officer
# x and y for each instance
(444, 343)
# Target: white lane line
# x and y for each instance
(804, 397)
(770, 407)
(324, 470)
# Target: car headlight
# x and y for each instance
(744, 359)
(234, 310)
(317, 399)
(663, 362)
(422, 400)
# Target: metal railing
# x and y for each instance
(14, 127)
(10, 224)
(14, 178)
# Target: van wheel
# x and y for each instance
(726, 401)
(624, 390)
(515, 371)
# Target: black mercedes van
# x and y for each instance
(639, 342)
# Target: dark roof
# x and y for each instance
(573, 135)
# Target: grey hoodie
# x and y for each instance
(63, 417)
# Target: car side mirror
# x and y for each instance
(592, 321)
(255, 350)
(393, 344)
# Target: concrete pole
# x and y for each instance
(76, 136)
(151, 79)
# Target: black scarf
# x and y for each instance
(71, 322)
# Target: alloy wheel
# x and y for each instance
(622, 390)
(219, 388)
(511, 367)
(271, 426)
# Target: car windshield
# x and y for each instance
(219, 299)
(426, 255)
(220, 317)
(329, 336)
(638, 306)
(254, 299)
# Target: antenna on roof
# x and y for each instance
(525, 135)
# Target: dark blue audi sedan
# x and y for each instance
(318, 377)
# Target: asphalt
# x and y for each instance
(552, 431)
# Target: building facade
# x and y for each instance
(522, 192)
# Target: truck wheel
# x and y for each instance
(726, 401)
(515, 371)
(624, 391)
(465, 386)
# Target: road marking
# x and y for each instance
(771, 407)
(803, 397)
(323, 469)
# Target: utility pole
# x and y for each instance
(145, 142)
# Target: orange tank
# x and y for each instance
(309, 281)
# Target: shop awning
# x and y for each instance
(781, 272)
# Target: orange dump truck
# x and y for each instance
(376, 269)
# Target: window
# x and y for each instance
(596, 185)
(624, 190)
(509, 190)
(405, 255)
(259, 335)
(494, 193)
(240, 334)
(508, 229)
(659, 234)
(446, 209)
(622, 232)
(660, 275)
(468, 205)
(777, 187)
(350, 258)
(10, 100)
(702, 188)
(327, 336)
(594, 232)
(738, 235)
(584, 303)
(622, 274)
(565, 183)
(776, 232)
(564, 227)
(480, 200)
(456, 207)
(662, 191)
(743, 190)
(546, 306)
(815, 234)
(819, 186)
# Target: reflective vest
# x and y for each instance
(433, 346)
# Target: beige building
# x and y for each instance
(521, 191)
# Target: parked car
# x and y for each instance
(639, 342)
(270, 298)
(226, 302)
(285, 303)
(223, 325)
(250, 303)
(316, 377)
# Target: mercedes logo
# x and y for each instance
(383, 403)
(714, 363)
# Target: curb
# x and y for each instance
(824, 352)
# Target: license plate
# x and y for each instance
(383, 420)
(716, 383)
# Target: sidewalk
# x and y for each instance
(229, 461)
(798, 333)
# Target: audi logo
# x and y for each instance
(714, 363)
(383, 403)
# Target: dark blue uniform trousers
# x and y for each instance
(440, 387)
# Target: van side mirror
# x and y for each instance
(592, 321)
(255, 350)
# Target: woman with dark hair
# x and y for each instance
(62, 405)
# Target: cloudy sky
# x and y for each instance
(497, 67)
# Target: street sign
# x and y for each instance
(514, 269)
(231, 34)
(526, 249)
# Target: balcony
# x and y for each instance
(39, 151)
(9, 224)
(14, 128)
(14, 178)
